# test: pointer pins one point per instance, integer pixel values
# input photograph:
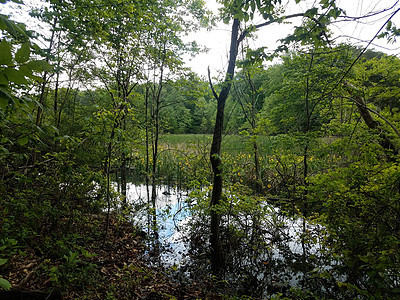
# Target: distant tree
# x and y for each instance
(248, 93)
(301, 90)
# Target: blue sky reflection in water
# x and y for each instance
(172, 215)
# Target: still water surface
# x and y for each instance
(173, 215)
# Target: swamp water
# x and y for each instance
(172, 215)
(281, 262)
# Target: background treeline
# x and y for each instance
(189, 108)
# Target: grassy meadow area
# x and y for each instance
(233, 144)
(184, 159)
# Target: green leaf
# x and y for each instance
(23, 53)
(253, 6)
(324, 3)
(334, 13)
(15, 76)
(3, 103)
(3, 79)
(11, 27)
(4, 151)
(37, 78)
(5, 99)
(3, 25)
(23, 141)
(4, 284)
(5, 53)
(311, 12)
(39, 65)
(258, 4)
(28, 73)
(3, 261)
(25, 70)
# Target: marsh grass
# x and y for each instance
(184, 159)
(232, 144)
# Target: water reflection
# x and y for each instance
(172, 215)
(266, 250)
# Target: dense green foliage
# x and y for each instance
(313, 138)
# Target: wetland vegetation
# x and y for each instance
(286, 175)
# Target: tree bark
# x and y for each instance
(215, 156)
(369, 119)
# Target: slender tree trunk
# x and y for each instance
(253, 123)
(55, 106)
(124, 171)
(257, 165)
(73, 108)
(43, 87)
(215, 156)
(156, 120)
(107, 167)
(154, 182)
(250, 115)
(341, 110)
(305, 207)
(147, 168)
(123, 181)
